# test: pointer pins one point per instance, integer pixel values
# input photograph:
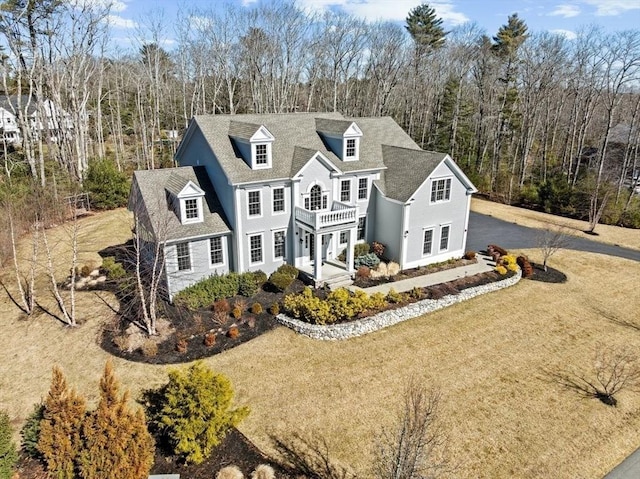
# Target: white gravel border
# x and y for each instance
(335, 332)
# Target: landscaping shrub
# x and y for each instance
(209, 290)
(182, 346)
(30, 432)
(363, 272)
(222, 306)
(209, 339)
(260, 277)
(308, 307)
(416, 293)
(220, 317)
(8, 450)
(112, 269)
(248, 284)
(233, 332)
(394, 297)
(122, 342)
(274, 309)
(230, 472)
(525, 266)
(380, 271)
(288, 269)
(469, 255)
(237, 313)
(393, 268)
(263, 471)
(509, 262)
(256, 308)
(149, 348)
(195, 411)
(497, 249)
(360, 249)
(377, 301)
(501, 270)
(280, 281)
(378, 248)
(369, 260)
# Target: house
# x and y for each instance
(50, 120)
(255, 191)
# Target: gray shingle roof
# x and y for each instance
(241, 129)
(332, 127)
(297, 130)
(10, 103)
(165, 224)
(175, 183)
(406, 170)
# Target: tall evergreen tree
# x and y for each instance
(117, 442)
(425, 28)
(60, 441)
(8, 451)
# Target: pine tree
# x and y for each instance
(425, 28)
(60, 441)
(196, 411)
(117, 442)
(8, 451)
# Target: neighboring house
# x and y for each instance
(255, 191)
(51, 121)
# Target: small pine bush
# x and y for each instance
(237, 313)
(248, 285)
(256, 308)
(108, 188)
(360, 249)
(30, 432)
(274, 309)
(205, 292)
(369, 260)
(280, 280)
(525, 266)
(222, 305)
(469, 255)
(260, 277)
(8, 450)
(416, 293)
(112, 269)
(233, 332)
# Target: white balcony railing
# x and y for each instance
(340, 214)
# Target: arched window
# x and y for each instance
(315, 198)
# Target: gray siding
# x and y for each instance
(388, 225)
(197, 152)
(315, 172)
(422, 214)
(265, 224)
(334, 144)
(200, 264)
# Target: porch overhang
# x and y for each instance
(340, 216)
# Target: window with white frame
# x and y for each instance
(363, 189)
(255, 248)
(444, 237)
(184, 256)
(215, 250)
(279, 244)
(191, 209)
(362, 225)
(350, 149)
(254, 203)
(345, 190)
(344, 237)
(427, 242)
(278, 200)
(262, 154)
(316, 200)
(441, 190)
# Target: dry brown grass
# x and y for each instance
(487, 355)
(628, 238)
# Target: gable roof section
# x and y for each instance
(407, 169)
(164, 223)
(177, 184)
(302, 157)
(332, 127)
(291, 131)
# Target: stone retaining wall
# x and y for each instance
(382, 320)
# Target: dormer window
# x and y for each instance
(262, 156)
(186, 199)
(191, 210)
(350, 148)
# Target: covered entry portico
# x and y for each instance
(318, 237)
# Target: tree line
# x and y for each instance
(531, 117)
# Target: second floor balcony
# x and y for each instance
(339, 214)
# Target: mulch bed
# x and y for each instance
(552, 275)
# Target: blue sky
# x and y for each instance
(563, 16)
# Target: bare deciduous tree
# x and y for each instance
(550, 241)
(414, 447)
(614, 369)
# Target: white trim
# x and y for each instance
(366, 197)
(261, 214)
(190, 269)
(222, 248)
(345, 180)
(433, 237)
(249, 236)
(284, 200)
(273, 244)
(442, 226)
(183, 210)
(434, 182)
(323, 159)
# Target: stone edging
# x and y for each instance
(333, 332)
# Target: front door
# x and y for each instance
(308, 247)
(327, 252)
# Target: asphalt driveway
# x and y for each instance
(485, 230)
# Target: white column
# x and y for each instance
(317, 256)
(350, 252)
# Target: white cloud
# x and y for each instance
(114, 5)
(568, 34)
(120, 22)
(613, 7)
(372, 10)
(566, 11)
